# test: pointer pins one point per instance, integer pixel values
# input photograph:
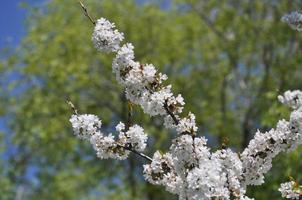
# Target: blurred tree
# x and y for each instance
(230, 59)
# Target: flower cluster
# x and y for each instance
(187, 125)
(105, 37)
(135, 138)
(292, 99)
(294, 20)
(143, 83)
(106, 146)
(289, 191)
(257, 157)
(84, 126)
(160, 172)
(189, 169)
(195, 173)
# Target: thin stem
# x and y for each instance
(137, 153)
(75, 111)
(129, 116)
(86, 13)
(166, 107)
(176, 121)
(128, 125)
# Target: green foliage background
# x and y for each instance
(230, 60)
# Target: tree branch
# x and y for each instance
(136, 152)
(86, 13)
(176, 121)
(75, 111)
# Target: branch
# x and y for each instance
(176, 121)
(136, 152)
(75, 111)
(129, 116)
(86, 13)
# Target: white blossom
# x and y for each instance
(160, 167)
(149, 73)
(201, 150)
(182, 149)
(105, 37)
(153, 104)
(120, 127)
(288, 191)
(187, 124)
(106, 147)
(135, 137)
(217, 176)
(143, 84)
(294, 20)
(161, 172)
(84, 126)
(189, 169)
(257, 157)
(169, 122)
(292, 99)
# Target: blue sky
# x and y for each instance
(12, 18)
(12, 30)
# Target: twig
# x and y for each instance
(176, 121)
(129, 117)
(128, 125)
(86, 13)
(166, 107)
(136, 152)
(75, 111)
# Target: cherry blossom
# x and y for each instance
(189, 168)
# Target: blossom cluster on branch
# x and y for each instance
(294, 20)
(291, 190)
(106, 146)
(189, 169)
